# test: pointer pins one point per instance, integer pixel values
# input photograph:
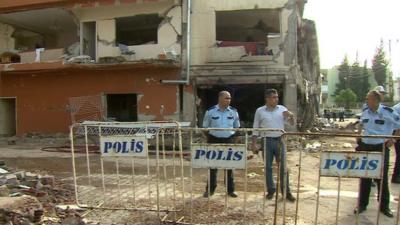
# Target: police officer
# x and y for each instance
(376, 119)
(396, 169)
(273, 116)
(221, 115)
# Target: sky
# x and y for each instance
(351, 26)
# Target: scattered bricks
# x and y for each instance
(39, 185)
(20, 175)
(12, 179)
(4, 191)
(19, 204)
(47, 180)
(31, 176)
(72, 221)
(3, 180)
(3, 171)
(30, 183)
(37, 215)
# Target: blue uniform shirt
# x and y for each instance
(215, 118)
(381, 122)
(396, 108)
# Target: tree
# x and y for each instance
(355, 80)
(344, 76)
(365, 85)
(346, 98)
(380, 65)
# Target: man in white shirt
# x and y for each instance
(273, 116)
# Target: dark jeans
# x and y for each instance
(214, 172)
(365, 185)
(273, 147)
(396, 169)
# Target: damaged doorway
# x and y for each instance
(122, 107)
(88, 39)
(246, 98)
(7, 117)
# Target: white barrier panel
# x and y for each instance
(351, 164)
(219, 156)
(123, 146)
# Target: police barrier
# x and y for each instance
(170, 175)
(346, 164)
(139, 178)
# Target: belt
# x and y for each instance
(379, 144)
(273, 138)
(221, 137)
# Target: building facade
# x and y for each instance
(134, 60)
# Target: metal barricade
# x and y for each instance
(171, 177)
(349, 156)
(132, 172)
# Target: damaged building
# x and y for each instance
(136, 60)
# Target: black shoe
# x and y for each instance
(396, 180)
(387, 212)
(206, 194)
(269, 196)
(290, 197)
(232, 194)
(359, 210)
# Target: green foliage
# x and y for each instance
(380, 65)
(354, 78)
(346, 98)
(344, 74)
(365, 81)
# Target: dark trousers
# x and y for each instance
(396, 169)
(213, 172)
(273, 147)
(365, 185)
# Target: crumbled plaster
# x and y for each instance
(170, 17)
(290, 43)
(7, 42)
(105, 42)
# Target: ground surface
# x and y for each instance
(135, 189)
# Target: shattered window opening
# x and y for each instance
(138, 30)
(249, 28)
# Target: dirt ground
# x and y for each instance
(125, 188)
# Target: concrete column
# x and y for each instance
(290, 95)
(290, 100)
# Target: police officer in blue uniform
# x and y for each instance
(376, 119)
(221, 115)
(396, 169)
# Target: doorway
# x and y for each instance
(88, 39)
(7, 117)
(122, 107)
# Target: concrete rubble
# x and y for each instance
(28, 198)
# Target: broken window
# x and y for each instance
(122, 107)
(138, 30)
(249, 28)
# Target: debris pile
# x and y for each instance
(29, 198)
